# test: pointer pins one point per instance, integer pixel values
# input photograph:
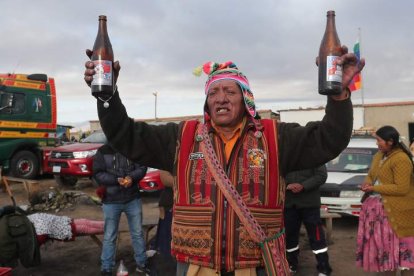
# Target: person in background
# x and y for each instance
(22, 234)
(302, 205)
(64, 138)
(165, 205)
(162, 241)
(385, 241)
(63, 228)
(207, 236)
(118, 179)
(412, 147)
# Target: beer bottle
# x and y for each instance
(330, 73)
(103, 81)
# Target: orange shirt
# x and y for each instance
(230, 142)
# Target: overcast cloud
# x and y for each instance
(159, 43)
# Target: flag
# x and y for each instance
(356, 82)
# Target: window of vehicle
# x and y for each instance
(352, 160)
(11, 103)
(96, 137)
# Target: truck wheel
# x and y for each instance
(63, 181)
(24, 164)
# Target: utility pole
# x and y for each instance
(155, 107)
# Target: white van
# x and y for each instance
(341, 193)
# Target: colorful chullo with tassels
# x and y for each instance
(227, 71)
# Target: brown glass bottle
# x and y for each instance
(330, 73)
(103, 81)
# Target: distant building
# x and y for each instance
(264, 114)
(63, 129)
(367, 116)
(304, 115)
(398, 114)
(63, 133)
(94, 125)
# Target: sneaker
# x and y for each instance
(324, 271)
(106, 273)
(292, 258)
(150, 253)
(323, 266)
(143, 269)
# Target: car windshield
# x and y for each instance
(96, 137)
(352, 160)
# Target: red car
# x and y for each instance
(72, 161)
(151, 181)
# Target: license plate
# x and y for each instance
(56, 169)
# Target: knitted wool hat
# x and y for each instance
(227, 71)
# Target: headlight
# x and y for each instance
(84, 154)
(357, 194)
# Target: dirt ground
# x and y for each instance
(82, 256)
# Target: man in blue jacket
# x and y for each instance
(118, 179)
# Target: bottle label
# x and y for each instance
(103, 72)
(333, 70)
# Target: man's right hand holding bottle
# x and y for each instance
(90, 69)
(351, 67)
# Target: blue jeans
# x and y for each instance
(112, 215)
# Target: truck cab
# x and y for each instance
(27, 122)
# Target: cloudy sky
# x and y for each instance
(159, 43)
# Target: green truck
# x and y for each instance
(27, 123)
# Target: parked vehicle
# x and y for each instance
(71, 162)
(151, 181)
(27, 122)
(341, 193)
